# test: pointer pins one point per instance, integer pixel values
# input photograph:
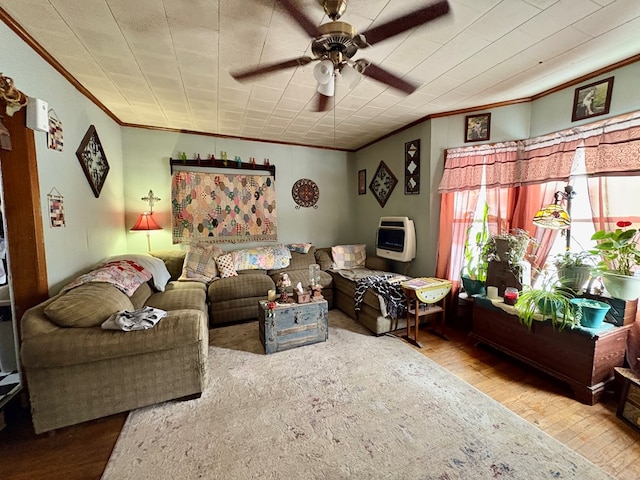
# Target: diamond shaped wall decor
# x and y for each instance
(383, 183)
(412, 167)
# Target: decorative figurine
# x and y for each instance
(283, 283)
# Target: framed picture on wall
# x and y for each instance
(592, 100)
(362, 182)
(477, 128)
(93, 160)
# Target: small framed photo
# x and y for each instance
(362, 182)
(592, 100)
(477, 127)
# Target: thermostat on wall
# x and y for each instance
(37, 114)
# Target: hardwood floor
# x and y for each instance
(81, 452)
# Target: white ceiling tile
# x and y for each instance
(167, 63)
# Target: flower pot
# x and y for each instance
(592, 312)
(574, 277)
(473, 287)
(621, 286)
(547, 306)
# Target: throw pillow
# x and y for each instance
(226, 266)
(200, 263)
(349, 256)
(299, 247)
(87, 305)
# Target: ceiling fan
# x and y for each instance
(335, 43)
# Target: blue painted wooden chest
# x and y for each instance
(294, 325)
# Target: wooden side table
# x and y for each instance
(423, 296)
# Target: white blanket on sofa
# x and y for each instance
(141, 319)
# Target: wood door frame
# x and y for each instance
(23, 215)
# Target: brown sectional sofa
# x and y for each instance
(75, 371)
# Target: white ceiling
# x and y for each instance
(166, 63)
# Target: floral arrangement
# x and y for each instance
(618, 249)
(271, 306)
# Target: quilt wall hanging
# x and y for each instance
(223, 207)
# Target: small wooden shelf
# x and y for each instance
(216, 163)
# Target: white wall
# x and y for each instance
(94, 226)
(147, 153)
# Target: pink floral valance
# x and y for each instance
(611, 147)
(464, 167)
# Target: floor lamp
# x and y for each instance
(554, 216)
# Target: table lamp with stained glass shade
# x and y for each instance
(556, 217)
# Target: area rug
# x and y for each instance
(356, 406)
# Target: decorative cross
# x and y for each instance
(152, 199)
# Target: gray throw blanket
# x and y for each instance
(141, 319)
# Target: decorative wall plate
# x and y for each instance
(305, 193)
(412, 167)
(383, 183)
(93, 160)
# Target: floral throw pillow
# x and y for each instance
(349, 256)
(299, 247)
(226, 266)
(200, 263)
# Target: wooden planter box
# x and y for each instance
(583, 358)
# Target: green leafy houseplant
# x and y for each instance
(474, 269)
(618, 249)
(550, 300)
(511, 247)
(574, 268)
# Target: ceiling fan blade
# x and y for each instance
(384, 76)
(322, 104)
(300, 17)
(405, 22)
(272, 67)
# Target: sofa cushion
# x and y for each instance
(173, 260)
(88, 305)
(200, 262)
(140, 296)
(323, 258)
(349, 256)
(241, 286)
(184, 285)
(184, 299)
(62, 347)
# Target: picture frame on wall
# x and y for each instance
(362, 182)
(477, 128)
(93, 160)
(592, 100)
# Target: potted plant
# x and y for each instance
(474, 270)
(590, 313)
(573, 268)
(620, 258)
(549, 301)
(511, 247)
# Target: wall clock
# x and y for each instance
(93, 160)
(383, 183)
(305, 193)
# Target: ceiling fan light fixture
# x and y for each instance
(350, 76)
(327, 89)
(323, 72)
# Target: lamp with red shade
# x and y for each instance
(145, 221)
